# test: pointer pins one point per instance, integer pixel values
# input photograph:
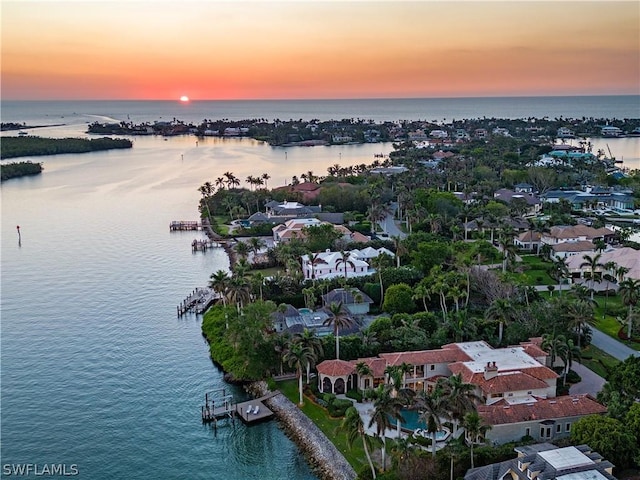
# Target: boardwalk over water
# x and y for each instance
(181, 225)
(198, 301)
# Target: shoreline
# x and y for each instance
(322, 455)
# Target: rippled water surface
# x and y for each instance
(97, 370)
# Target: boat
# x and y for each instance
(22, 133)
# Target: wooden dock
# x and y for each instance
(258, 411)
(197, 302)
(182, 225)
(219, 405)
(203, 245)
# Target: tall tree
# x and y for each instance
(298, 356)
(459, 398)
(353, 426)
(385, 408)
(219, 281)
(501, 310)
(310, 340)
(432, 408)
(475, 428)
(345, 260)
(593, 263)
(381, 262)
(630, 293)
(339, 318)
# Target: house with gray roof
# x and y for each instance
(545, 461)
(354, 300)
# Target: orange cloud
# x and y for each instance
(211, 50)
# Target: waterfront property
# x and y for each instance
(516, 387)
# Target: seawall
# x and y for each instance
(323, 456)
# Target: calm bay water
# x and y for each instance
(97, 370)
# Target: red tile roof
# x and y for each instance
(377, 365)
(447, 354)
(543, 409)
(512, 381)
(336, 368)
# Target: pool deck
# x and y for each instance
(366, 409)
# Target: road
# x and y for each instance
(612, 346)
(389, 226)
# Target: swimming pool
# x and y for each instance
(305, 311)
(412, 423)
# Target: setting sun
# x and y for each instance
(184, 98)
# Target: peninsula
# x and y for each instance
(439, 305)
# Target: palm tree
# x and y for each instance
(559, 271)
(401, 249)
(339, 317)
(354, 427)
(281, 343)
(610, 267)
(421, 292)
(314, 260)
(363, 370)
(266, 177)
(257, 280)
(380, 262)
(630, 292)
(432, 408)
(242, 249)
(385, 408)
(593, 263)
(298, 356)
(501, 310)
(553, 344)
(345, 260)
(219, 282)
(309, 339)
(255, 245)
(568, 354)
(580, 314)
(238, 291)
(459, 398)
(206, 190)
(540, 227)
(505, 240)
(474, 426)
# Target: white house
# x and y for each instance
(331, 264)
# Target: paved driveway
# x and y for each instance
(591, 382)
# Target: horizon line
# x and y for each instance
(306, 99)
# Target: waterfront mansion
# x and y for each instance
(517, 388)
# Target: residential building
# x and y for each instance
(573, 249)
(576, 233)
(355, 301)
(533, 203)
(528, 240)
(545, 461)
(516, 388)
(293, 229)
(623, 257)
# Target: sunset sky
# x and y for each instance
(160, 49)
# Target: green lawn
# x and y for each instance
(598, 361)
(267, 272)
(536, 271)
(608, 323)
(330, 426)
